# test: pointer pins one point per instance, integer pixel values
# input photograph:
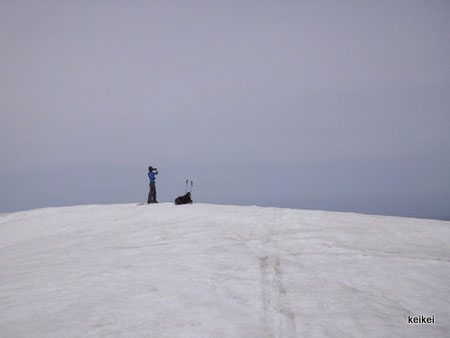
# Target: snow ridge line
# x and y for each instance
(277, 319)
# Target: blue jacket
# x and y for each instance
(151, 175)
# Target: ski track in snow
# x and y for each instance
(220, 271)
(277, 319)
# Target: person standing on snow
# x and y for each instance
(152, 193)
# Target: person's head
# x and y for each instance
(150, 168)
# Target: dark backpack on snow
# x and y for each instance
(185, 199)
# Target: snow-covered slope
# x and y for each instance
(220, 271)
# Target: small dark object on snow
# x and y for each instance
(185, 199)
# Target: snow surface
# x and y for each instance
(220, 271)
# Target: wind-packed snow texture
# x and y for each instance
(220, 271)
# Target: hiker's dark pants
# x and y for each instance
(152, 193)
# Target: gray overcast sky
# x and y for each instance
(335, 105)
